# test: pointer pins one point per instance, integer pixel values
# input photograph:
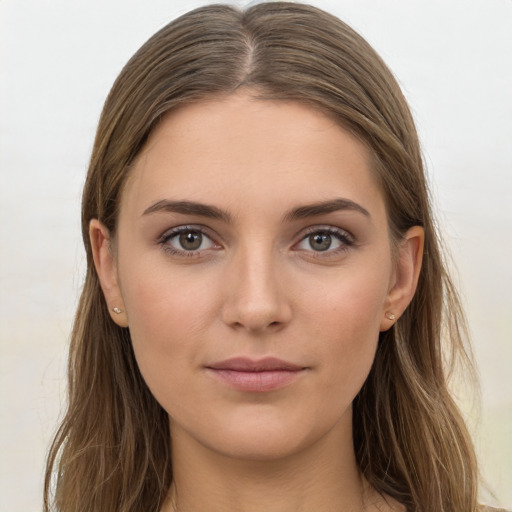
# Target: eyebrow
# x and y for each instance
(212, 212)
(325, 207)
(188, 208)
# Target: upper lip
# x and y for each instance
(244, 364)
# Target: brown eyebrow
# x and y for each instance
(315, 209)
(212, 212)
(188, 208)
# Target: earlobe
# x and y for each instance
(407, 272)
(104, 262)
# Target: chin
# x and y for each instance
(263, 435)
(260, 447)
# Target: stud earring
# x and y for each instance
(390, 316)
(117, 311)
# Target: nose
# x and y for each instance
(256, 299)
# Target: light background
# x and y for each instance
(58, 59)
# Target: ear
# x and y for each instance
(405, 279)
(105, 264)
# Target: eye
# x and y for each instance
(330, 240)
(320, 241)
(187, 241)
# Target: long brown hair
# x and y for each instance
(112, 450)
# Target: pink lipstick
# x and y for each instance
(260, 375)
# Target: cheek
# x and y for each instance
(348, 301)
(157, 299)
(167, 320)
(344, 322)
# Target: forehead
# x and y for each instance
(245, 151)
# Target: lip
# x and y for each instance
(256, 375)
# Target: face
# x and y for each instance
(254, 269)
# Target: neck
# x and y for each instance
(322, 477)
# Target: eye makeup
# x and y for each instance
(324, 242)
(187, 241)
(195, 240)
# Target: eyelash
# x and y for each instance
(344, 237)
(346, 240)
(168, 235)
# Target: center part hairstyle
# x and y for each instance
(112, 450)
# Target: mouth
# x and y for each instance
(261, 375)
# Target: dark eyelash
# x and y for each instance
(171, 233)
(342, 235)
(339, 233)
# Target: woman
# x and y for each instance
(261, 323)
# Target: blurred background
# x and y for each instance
(58, 59)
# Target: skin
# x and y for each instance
(257, 287)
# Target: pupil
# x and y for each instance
(191, 240)
(320, 242)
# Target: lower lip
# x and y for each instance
(257, 381)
